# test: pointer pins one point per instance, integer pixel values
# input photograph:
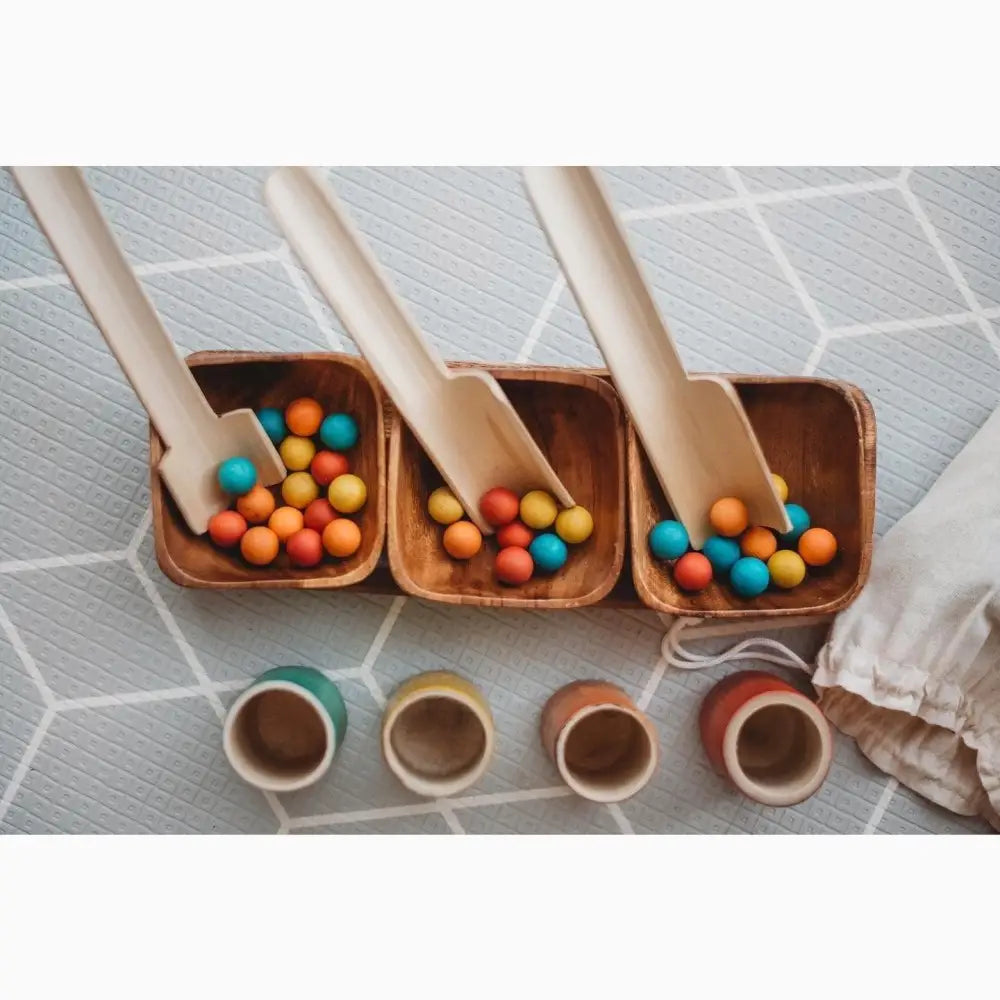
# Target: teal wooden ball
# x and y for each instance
(799, 517)
(273, 422)
(749, 577)
(237, 476)
(339, 431)
(668, 540)
(721, 552)
(548, 552)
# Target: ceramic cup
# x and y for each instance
(766, 737)
(437, 734)
(604, 747)
(283, 730)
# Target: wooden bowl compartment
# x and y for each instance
(820, 436)
(577, 420)
(232, 380)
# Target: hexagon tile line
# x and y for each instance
(743, 199)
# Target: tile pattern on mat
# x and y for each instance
(472, 263)
(963, 203)
(788, 178)
(931, 390)
(169, 213)
(238, 634)
(24, 250)
(75, 437)
(156, 767)
(463, 249)
(21, 708)
(427, 823)
(863, 258)
(92, 630)
(909, 812)
(648, 187)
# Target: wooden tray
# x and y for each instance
(820, 436)
(232, 379)
(795, 447)
(578, 422)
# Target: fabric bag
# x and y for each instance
(912, 669)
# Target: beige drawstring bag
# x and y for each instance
(912, 669)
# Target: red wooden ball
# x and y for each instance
(319, 514)
(305, 548)
(693, 572)
(327, 465)
(516, 533)
(499, 506)
(514, 565)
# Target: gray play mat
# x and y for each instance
(112, 679)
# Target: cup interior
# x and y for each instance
(777, 748)
(278, 737)
(606, 753)
(438, 743)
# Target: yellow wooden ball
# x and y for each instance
(538, 509)
(443, 506)
(574, 525)
(299, 490)
(296, 453)
(787, 569)
(347, 493)
(781, 486)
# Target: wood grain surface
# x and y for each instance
(230, 380)
(820, 436)
(578, 422)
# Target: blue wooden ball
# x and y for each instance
(749, 576)
(339, 431)
(237, 476)
(721, 552)
(273, 422)
(799, 517)
(668, 540)
(548, 552)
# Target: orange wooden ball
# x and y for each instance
(257, 505)
(758, 542)
(226, 528)
(303, 416)
(729, 516)
(817, 546)
(462, 540)
(341, 537)
(285, 521)
(259, 546)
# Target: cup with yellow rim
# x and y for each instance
(438, 734)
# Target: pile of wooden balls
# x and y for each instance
(308, 525)
(525, 546)
(753, 557)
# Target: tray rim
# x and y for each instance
(379, 579)
(183, 577)
(865, 424)
(605, 389)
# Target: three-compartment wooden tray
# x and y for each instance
(819, 434)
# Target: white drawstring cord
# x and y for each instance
(675, 655)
